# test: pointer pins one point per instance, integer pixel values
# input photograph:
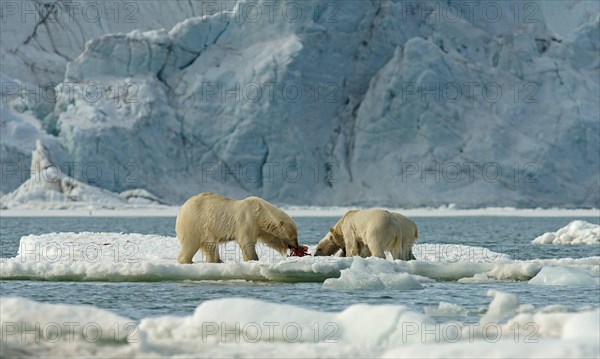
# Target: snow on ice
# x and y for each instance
(91, 256)
(247, 327)
(576, 232)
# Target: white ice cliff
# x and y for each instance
(383, 103)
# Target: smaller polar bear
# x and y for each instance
(208, 219)
(370, 232)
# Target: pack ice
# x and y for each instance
(237, 327)
(91, 256)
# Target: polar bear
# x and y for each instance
(330, 245)
(208, 219)
(410, 233)
(370, 232)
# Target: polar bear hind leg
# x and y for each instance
(411, 256)
(377, 241)
(210, 249)
(407, 253)
(362, 248)
(188, 250)
(396, 247)
(365, 251)
(377, 250)
(396, 252)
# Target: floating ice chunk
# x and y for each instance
(576, 232)
(582, 325)
(89, 256)
(238, 320)
(240, 327)
(564, 276)
(371, 274)
(477, 278)
(502, 306)
(138, 257)
(352, 280)
(62, 321)
(515, 270)
(543, 324)
(397, 281)
(522, 344)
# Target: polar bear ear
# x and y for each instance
(331, 230)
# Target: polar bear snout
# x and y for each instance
(293, 243)
(289, 234)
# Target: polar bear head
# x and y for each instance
(327, 246)
(285, 236)
(276, 229)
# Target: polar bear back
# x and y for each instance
(267, 215)
(227, 214)
(224, 218)
(230, 215)
(371, 221)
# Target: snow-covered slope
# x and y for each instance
(344, 103)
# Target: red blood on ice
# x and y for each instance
(299, 252)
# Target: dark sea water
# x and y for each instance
(136, 300)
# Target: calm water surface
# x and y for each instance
(509, 235)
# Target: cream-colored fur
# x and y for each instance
(410, 234)
(331, 244)
(208, 219)
(327, 246)
(370, 233)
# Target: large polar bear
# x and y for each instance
(208, 219)
(371, 232)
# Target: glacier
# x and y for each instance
(385, 103)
